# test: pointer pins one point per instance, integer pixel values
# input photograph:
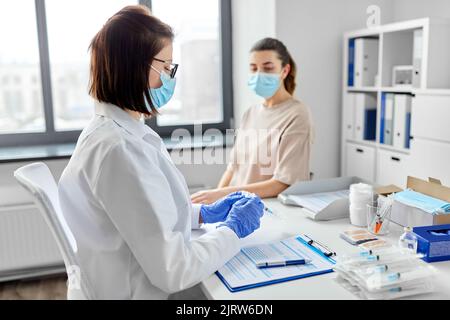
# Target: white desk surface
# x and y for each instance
(291, 221)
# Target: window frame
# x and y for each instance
(51, 136)
(227, 100)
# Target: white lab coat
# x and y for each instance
(130, 211)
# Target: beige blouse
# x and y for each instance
(273, 143)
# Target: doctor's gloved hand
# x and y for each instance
(218, 211)
(244, 217)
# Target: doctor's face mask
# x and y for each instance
(162, 95)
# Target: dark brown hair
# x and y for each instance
(270, 44)
(121, 55)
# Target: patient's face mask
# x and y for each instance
(264, 85)
(161, 96)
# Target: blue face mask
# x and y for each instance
(422, 201)
(161, 96)
(264, 84)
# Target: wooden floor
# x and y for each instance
(54, 288)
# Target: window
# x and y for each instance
(69, 56)
(197, 50)
(21, 105)
(44, 68)
(202, 47)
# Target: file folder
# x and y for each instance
(365, 62)
(241, 273)
(349, 116)
(370, 124)
(351, 62)
(402, 109)
(417, 58)
(365, 116)
(382, 116)
(388, 119)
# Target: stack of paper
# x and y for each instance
(318, 201)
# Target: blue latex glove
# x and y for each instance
(218, 211)
(245, 215)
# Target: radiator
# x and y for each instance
(27, 247)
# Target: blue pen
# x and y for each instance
(276, 264)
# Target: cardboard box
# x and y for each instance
(407, 216)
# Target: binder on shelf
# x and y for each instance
(365, 116)
(370, 124)
(365, 62)
(382, 116)
(349, 116)
(417, 58)
(401, 127)
(387, 112)
(408, 131)
(351, 62)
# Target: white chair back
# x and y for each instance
(39, 181)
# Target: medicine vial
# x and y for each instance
(408, 240)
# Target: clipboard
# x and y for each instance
(240, 273)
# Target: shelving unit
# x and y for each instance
(402, 44)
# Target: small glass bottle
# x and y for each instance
(408, 240)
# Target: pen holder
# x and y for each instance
(378, 221)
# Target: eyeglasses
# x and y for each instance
(173, 67)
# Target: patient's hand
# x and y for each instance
(210, 196)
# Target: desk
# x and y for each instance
(291, 221)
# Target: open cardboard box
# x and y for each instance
(407, 216)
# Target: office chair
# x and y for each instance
(38, 180)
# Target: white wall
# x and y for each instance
(413, 9)
(313, 30)
(252, 21)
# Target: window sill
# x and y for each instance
(64, 151)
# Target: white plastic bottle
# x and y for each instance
(408, 240)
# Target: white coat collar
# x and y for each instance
(124, 120)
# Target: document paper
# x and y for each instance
(242, 272)
(318, 201)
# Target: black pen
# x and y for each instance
(327, 252)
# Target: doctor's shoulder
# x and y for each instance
(115, 142)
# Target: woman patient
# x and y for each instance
(273, 144)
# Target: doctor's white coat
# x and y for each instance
(131, 214)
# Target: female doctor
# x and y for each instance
(126, 203)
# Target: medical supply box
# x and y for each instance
(433, 242)
(408, 216)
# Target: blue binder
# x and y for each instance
(383, 114)
(408, 131)
(310, 246)
(370, 124)
(351, 62)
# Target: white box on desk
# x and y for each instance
(408, 216)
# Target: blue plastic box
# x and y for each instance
(433, 242)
